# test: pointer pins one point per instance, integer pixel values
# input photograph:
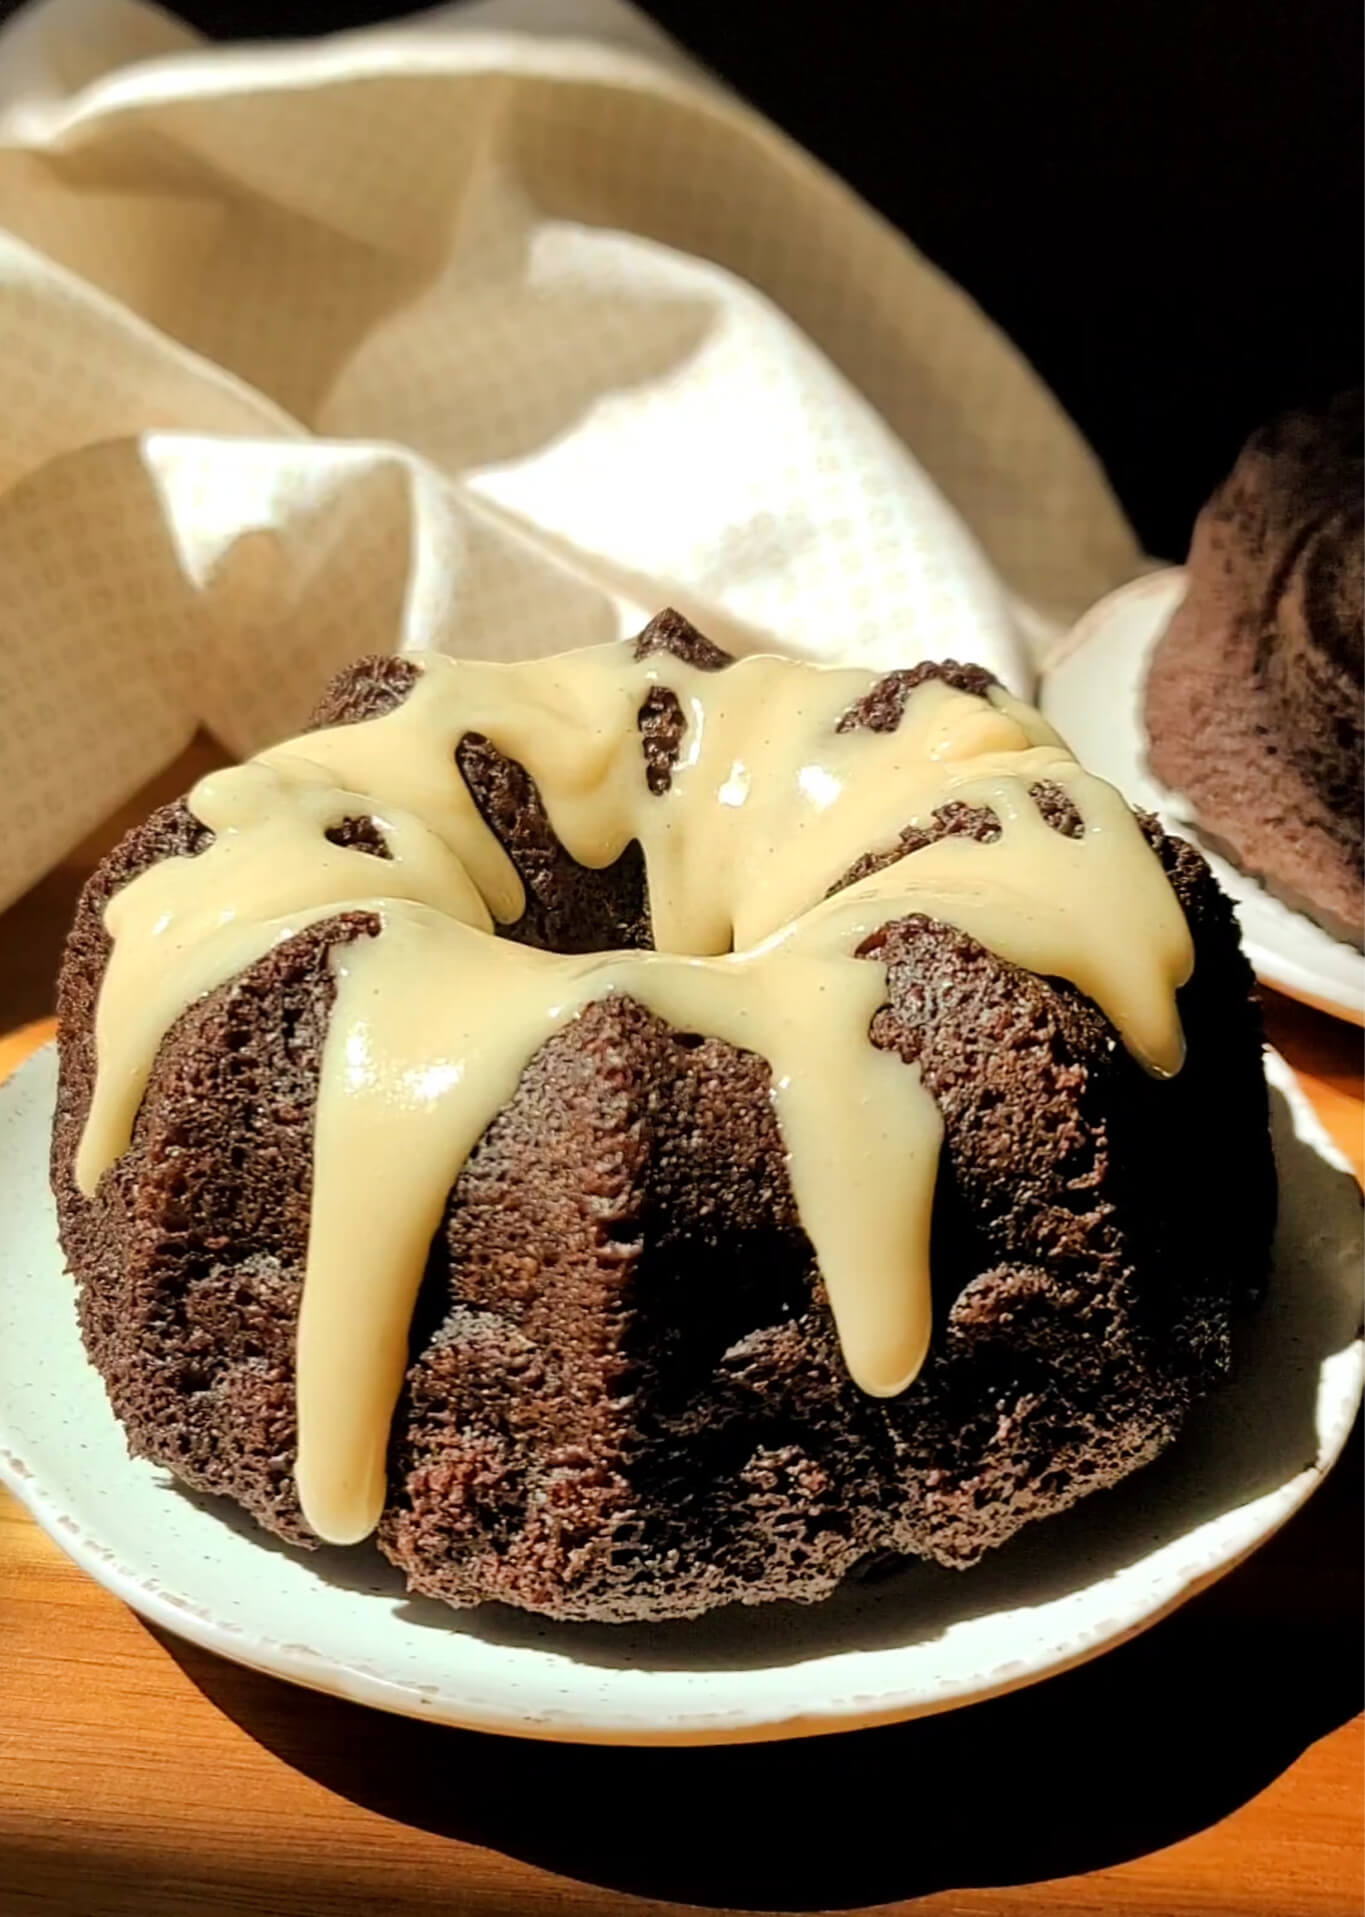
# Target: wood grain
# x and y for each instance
(1213, 1768)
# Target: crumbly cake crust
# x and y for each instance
(1255, 700)
(626, 1398)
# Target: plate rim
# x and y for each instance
(1282, 973)
(358, 1683)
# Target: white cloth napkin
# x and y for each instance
(462, 337)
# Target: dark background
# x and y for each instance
(1160, 200)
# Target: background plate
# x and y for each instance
(1092, 692)
(924, 1640)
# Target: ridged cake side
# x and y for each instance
(627, 1399)
(1255, 700)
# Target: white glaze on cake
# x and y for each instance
(769, 805)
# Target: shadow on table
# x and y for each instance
(1157, 1740)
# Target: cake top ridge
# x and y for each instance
(748, 837)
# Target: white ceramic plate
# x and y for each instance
(1092, 693)
(924, 1640)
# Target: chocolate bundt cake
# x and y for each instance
(877, 1210)
(1255, 702)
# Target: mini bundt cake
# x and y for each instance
(596, 1278)
(1255, 702)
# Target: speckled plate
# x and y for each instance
(1093, 693)
(923, 1640)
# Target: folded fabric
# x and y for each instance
(461, 337)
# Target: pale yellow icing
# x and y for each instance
(434, 1020)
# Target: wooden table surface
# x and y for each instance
(1214, 1766)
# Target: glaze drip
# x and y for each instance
(768, 806)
